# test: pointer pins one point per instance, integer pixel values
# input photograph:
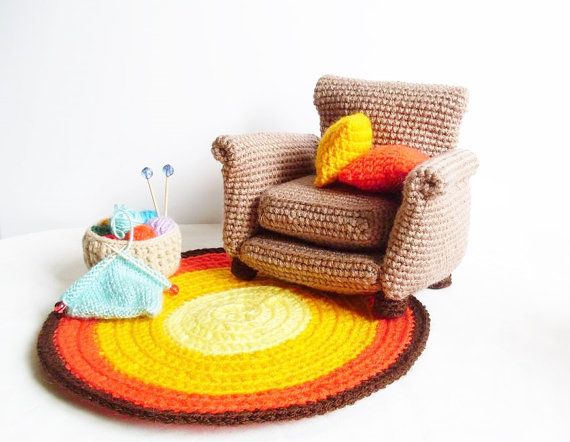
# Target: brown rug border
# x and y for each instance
(55, 367)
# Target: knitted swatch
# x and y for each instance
(344, 141)
(120, 286)
(383, 169)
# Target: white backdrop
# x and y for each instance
(90, 92)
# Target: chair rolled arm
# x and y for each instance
(251, 164)
(429, 236)
(434, 176)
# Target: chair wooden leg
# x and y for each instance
(446, 282)
(388, 308)
(242, 271)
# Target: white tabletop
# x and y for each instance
(493, 368)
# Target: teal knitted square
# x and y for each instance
(120, 286)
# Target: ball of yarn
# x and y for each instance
(146, 215)
(141, 233)
(161, 224)
(122, 220)
(101, 229)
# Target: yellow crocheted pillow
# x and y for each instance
(344, 141)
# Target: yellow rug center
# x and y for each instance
(290, 336)
(241, 320)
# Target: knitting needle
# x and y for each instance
(168, 170)
(147, 173)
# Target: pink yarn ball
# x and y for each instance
(161, 224)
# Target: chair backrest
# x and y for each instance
(426, 117)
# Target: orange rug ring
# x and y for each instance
(225, 351)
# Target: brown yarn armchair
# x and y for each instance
(342, 240)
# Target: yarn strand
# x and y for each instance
(139, 264)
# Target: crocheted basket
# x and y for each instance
(161, 253)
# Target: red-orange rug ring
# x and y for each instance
(156, 402)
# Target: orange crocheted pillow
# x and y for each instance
(382, 169)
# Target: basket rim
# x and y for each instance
(92, 236)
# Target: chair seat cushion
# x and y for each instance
(335, 216)
(351, 273)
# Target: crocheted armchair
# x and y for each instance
(342, 240)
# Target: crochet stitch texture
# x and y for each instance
(161, 253)
(223, 351)
(332, 216)
(119, 286)
(342, 142)
(382, 169)
(424, 116)
(429, 235)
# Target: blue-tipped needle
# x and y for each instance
(168, 170)
(147, 174)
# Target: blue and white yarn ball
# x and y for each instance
(124, 218)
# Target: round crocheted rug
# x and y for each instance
(225, 351)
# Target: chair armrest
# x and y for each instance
(429, 236)
(251, 164)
